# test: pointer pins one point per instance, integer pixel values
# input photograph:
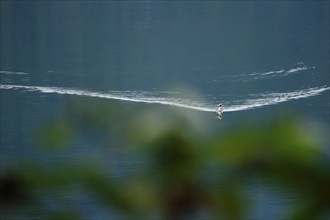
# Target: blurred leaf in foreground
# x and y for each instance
(186, 173)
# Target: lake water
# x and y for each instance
(257, 58)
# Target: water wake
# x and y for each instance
(116, 95)
(246, 77)
(13, 73)
(275, 98)
(264, 99)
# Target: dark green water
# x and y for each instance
(262, 57)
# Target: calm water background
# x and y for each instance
(211, 47)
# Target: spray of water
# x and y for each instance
(141, 97)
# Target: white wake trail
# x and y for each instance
(133, 97)
(264, 100)
(274, 73)
(13, 73)
(275, 98)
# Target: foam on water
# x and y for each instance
(264, 99)
(13, 73)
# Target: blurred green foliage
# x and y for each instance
(186, 173)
